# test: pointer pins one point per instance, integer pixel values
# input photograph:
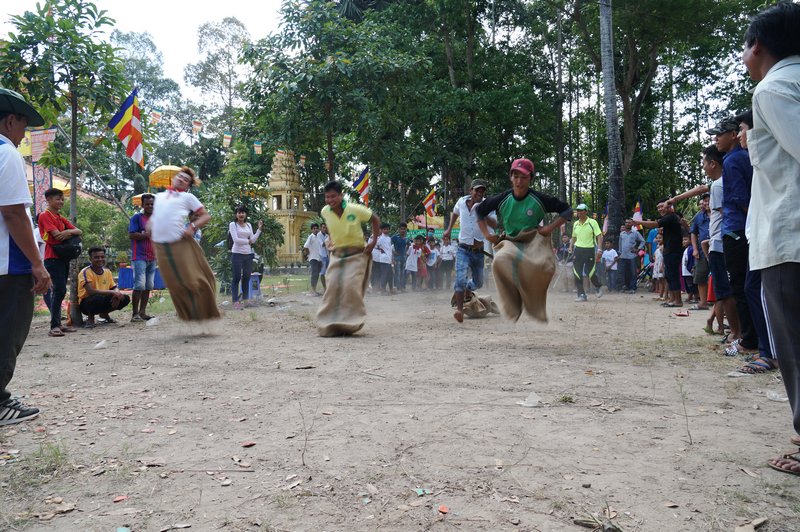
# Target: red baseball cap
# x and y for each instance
(523, 165)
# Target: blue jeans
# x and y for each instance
(627, 269)
(144, 273)
(611, 279)
(468, 260)
(242, 268)
(400, 272)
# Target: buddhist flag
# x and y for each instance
(128, 127)
(155, 116)
(361, 185)
(257, 147)
(430, 202)
(637, 212)
(226, 139)
(197, 126)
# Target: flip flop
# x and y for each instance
(698, 307)
(55, 332)
(68, 329)
(758, 365)
(108, 320)
(795, 440)
(682, 313)
(789, 457)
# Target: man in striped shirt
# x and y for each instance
(143, 258)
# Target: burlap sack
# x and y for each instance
(342, 310)
(522, 269)
(476, 306)
(189, 279)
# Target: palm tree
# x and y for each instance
(616, 186)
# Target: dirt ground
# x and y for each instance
(414, 424)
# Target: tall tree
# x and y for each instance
(56, 57)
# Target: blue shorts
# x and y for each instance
(326, 260)
(719, 275)
(144, 274)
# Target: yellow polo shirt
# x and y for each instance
(585, 234)
(103, 281)
(345, 231)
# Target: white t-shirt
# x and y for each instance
(243, 237)
(383, 250)
(313, 245)
(684, 259)
(434, 254)
(170, 212)
(715, 216)
(413, 256)
(470, 232)
(323, 239)
(13, 191)
(608, 257)
(447, 252)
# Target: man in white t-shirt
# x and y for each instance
(22, 271)
(311, 249)
(447, 252)
(469, 255)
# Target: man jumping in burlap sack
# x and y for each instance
(524, 263)
(342, 310)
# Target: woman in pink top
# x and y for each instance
(242, 254)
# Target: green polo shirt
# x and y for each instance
(586, 233)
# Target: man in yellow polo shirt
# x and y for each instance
(342, 311)
(585, 235)
(97, 292)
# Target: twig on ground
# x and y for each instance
(306, 429)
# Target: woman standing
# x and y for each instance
(242, 254)
(180, 259)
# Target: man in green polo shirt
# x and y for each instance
(585, 235)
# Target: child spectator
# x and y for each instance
(432, 264)
(687, 268)
(383, 261)
(415, 254)
(447, 252)
(610, 259)
(659, 283)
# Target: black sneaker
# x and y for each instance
(12, 411)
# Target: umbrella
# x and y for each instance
(162, 176)
(137, 199)
(63, 187)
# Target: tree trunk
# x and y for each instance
(562, 184)
(74, 311)
(616, 186)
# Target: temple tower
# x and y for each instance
(287, 206)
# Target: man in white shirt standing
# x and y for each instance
(22, 272)
(772, 57)
(469, 256)
(311, 251)
(447, 252)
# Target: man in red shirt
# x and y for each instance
(54, 229)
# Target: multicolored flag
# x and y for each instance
(197, 126)
(226, 139)
(257, 147)
(361, 185)
(430, 202)
(128, 127)
(637, 213)
(155, 116)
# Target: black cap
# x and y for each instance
(725, 125)
(13, 102)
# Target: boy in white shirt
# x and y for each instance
(610, 259)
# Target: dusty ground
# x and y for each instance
(638, 416)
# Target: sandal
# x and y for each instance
(698, 307)
(795, 440)
(758, 365)
(670, 305)
(68, 329)
(786, 463)
(108, 320)
(55, 332)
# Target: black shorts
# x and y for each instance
(701, 270)
(719, 275)
(672, 270)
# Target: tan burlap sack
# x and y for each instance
(189, 279)
(522, 269)
(477, 306)
(342, 310)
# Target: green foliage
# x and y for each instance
(102, 225)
